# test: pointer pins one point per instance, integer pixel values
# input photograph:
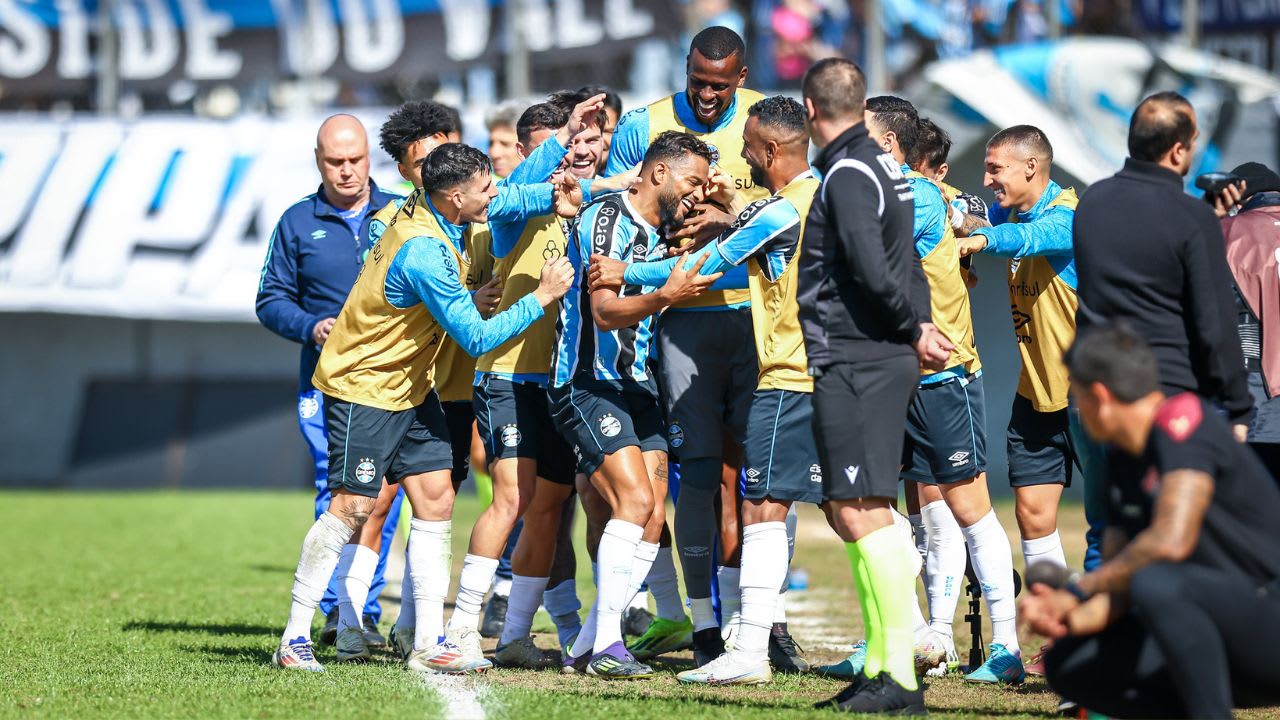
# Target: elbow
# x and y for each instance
(1174, 549)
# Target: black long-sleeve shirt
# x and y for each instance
(861, 290)
(1151, 255)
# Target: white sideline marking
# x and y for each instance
(460, 695)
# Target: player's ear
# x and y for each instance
(742, 76)
(660, 171)
(942, 171)
(810, 112)
(1033, 164)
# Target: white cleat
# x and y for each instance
(729, 669)
(445, 658)
(402, 641)
(350, 645)
(296, 655)
(467, 640)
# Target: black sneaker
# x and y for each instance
(495, 616)
(707, 646)
(329, 633)
(785, 654)
(860, 681)
(883, 695)
(635, 621)
(373, 638)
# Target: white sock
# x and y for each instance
(992, 559)
(408, 608)
(730, 600)
(922, 540)
(355, 574)
(522, 603)
(921, 630)
(586, 639)
(665, 588)
(639, 600)
(764, 569)
(563, 605)
(945, 563)
(780, 606)
(704, 614)
(641, 564)
(1047, 548)
(320, 551)
(430, 561)
(473, 583)
(618, 555)
(502, 586)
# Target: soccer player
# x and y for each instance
(864, 311)
(710, 338)
(780, 455)
(312, 261)
(501, 124)
(603, 397)
(612, 114)
(383, 416)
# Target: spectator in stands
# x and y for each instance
(501, 123)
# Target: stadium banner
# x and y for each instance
(164, 218)
(48, 47)
(1166, 15)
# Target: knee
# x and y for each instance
(1064, 670)
(1035, 519)
(1154, 588)
(635, 505)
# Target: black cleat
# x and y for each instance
(707, 646)
(882, 695)
(329, 633)
(635, 621)
(495, 616)
(785, 654)
(860, 681)
(373, 638)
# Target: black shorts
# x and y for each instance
(599, 419)
(367, 444)
(946, 432)
(780, 456)
(514, 420)
(458, 415)
(1040, 450)
(708, 369)
(859, 416)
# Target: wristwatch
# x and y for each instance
(1073, 587)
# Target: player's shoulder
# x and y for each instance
(1182, 416)
(748, 97)
(300, 212)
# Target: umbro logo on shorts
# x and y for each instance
(753, 475)
(957, 459)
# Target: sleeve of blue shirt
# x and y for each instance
(1049, 234)
(424, 270)
(630, 142)
(518, 203)
(931, 216)
(277, 303)
(537, 168)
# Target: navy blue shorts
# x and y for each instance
(367, 444)
(1040, 450)
(946, 432)
(780, 455)
(459, 416)
(599, 419)
(514, 420)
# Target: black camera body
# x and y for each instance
(1215, 182)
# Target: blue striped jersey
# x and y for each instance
(609, 226)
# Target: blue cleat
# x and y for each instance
(1002, 666)
(848, 668)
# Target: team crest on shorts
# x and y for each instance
(510, 435)
(675, 435)
(365, 471)
(308, 407)
(610, 426)
(815, 473)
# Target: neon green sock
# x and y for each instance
(870, 611)
(484, 487)
(885, 556)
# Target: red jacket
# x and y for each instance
(1253, 253)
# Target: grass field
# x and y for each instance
(170, 604)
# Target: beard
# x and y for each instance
(670, 213)
(757, 176)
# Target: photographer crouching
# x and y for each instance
(1182, 617)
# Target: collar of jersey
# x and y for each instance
(453, 232)
(377, 199)
(688, 118)
(636, 216)
(1050, 192)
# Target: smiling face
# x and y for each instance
(683, 183)
(472, 198)
(755, 150)
(585, 152)
(1008, 174)
(711, 84)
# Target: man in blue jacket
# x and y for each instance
(315, 253)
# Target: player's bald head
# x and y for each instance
(340, 128)
(1160, 122)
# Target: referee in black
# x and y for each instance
(864, 313)
(1183, 616)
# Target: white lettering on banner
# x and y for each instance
(148, 46)
(623, 20)
(371, 44)
(310, 35)
(164, 218)
(466, 28)
(205, 61)
(24, 46)
(536, 25)
(73, 40)
(574, 28)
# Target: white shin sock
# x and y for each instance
(664, 586)
(321, 549)
(764, 569)
(945, 563)
(473, 584)
(522, 605)
(355, 574)
(622, 569)
(430, 560)
(992, 559)
(1047, 548)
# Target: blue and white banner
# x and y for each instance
(164, 218)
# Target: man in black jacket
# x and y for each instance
(864, 312)
(1149, 254)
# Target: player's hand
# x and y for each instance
(320, 332)
(721, 187)
(1241, 432)
(972, 244)
(704, 223)
(933, 347)
(1229, 199)
(555, 281)
(487, 297)
(687, 284)
(568, 196)
(605, 272)
(1089, 618)
(583, 116)
(1044, 610)
(617, 183)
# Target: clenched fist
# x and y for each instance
(555, 281)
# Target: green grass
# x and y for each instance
(169, 605)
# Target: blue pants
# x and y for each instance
(311, 422)
(1092, 459)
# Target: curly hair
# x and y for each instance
(411, 122)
